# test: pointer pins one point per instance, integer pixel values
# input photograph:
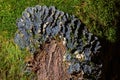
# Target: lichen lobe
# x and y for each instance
(41, 24)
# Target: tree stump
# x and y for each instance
(61, 46)
(48, 64)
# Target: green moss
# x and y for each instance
(84, 39)
(98, 15)
(110, 34)
(12, 61)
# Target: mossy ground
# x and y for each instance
(98, 15)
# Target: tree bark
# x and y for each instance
(48, 62)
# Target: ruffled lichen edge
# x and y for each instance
(40, 24)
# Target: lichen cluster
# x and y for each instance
(41, 24)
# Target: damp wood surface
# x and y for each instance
(48, 64)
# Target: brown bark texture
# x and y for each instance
(48, 62)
